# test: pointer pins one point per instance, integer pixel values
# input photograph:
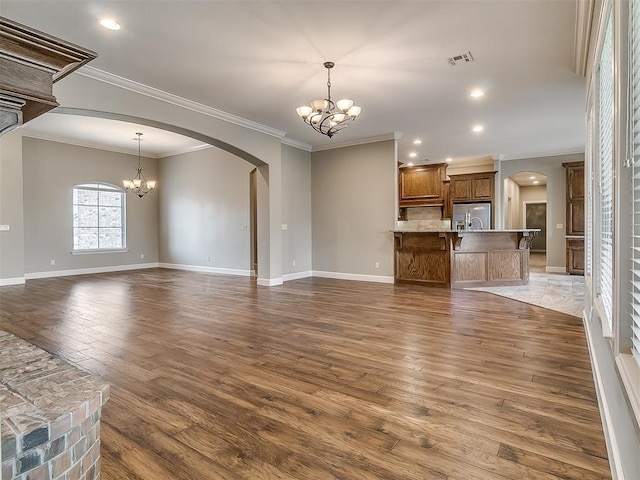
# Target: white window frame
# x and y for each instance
(101, 186)
(604, 284)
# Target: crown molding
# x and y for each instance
(358, 141)
(507, 158)
(182, 151)
(95, 146)
(111, 79)
(297, 144)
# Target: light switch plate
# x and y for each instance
(4, 228)
(559, 226)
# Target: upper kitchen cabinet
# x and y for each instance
(472, 187)
(422, 185)
(575, 197)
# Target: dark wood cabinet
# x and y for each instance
(472, 187)
(575, 217)
(422, 185)
(575, 198)
(575, 256)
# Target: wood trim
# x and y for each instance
(30, 63)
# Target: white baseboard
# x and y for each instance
(269, 282)
(353, 276)
(556, 269)
(198, 268)
(5, 282)
(296, 276)
(88, 271)
(605, 411)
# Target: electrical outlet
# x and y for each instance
(284, 226)
(244, 227)
(377, 264)
(209, 258)
(559, 226)
(53, 262)
(142, 256)
(294, 263)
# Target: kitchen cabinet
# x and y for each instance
(575, 217)
(422, 185)
(472, 187)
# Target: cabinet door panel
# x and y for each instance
(421, 184)
(576, 217)
(575, 182)
(461, 189)
(482, 188)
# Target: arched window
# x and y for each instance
(98, 217)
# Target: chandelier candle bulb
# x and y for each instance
(325, 116)
(345, 104)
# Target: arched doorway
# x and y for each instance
(525, 201)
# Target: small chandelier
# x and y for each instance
(139, 185)
(327, 117)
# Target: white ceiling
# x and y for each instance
(261, 59)
(524, 179)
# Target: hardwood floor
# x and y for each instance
(215, 378)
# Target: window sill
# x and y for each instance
(630, 374)
(93, 252)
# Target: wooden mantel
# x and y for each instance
(30, 63)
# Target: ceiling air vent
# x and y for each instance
(460, 59)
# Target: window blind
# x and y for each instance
(634, 160)
(605, 175)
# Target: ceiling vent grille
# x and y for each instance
(461, 59)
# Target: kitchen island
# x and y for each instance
(462, 258)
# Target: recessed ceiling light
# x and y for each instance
(449, 160)
(413, 154)
(476, 93)
(410, 164)
(532, 177)
(535, 182)
(109, 23)
(477, 128)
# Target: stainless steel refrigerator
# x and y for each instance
(471, 216)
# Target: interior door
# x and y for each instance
(536, 217)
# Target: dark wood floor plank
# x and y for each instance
(215, 378)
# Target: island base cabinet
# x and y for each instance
(463, 259)
(494, 268)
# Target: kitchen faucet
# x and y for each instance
(479, 220)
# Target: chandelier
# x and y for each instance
(327, 117)
(139, 185)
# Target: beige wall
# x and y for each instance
(55, 168)
(204, 210)
(11, 209)
(83, 92)
(296, 210)
(511, 201)
(353, 209)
